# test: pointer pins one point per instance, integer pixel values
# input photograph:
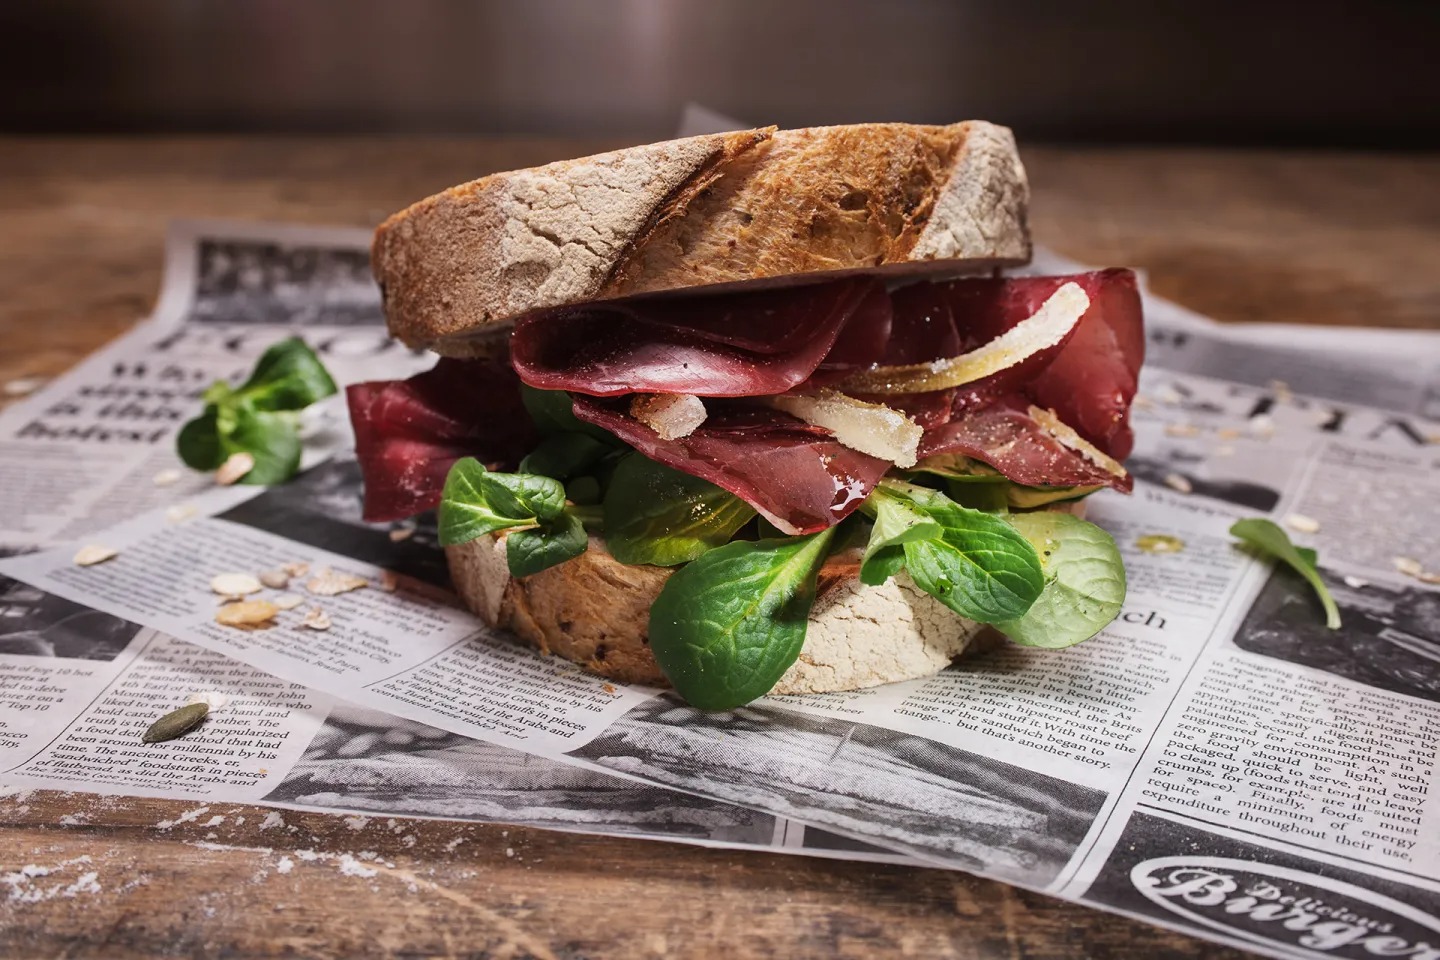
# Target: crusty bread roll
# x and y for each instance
(456, 268)
(595, 611)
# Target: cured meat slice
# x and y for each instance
(1005, 436)
(733, 345)
(798, 476)
(409, 432)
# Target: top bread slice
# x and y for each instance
(457, 268)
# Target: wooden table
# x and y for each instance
(1240, 236)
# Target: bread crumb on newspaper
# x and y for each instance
(401, 533)
(1178, 483)
(246, 613)
(179, 513)
(275, 579)
(316, 619)
(234, 584)
(1356, 583)
(1408, 566)
(93, 553)
(296, 569)
(1261, 425)
(329, 583)
(387, 581)
(1301, 523)
(167, 478)
(1181, 430)
(288, 601)
(235, 467)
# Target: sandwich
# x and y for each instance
(757, 413)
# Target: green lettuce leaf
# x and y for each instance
(1084, 581)
(726, 627)
(658, 515)
(1269, 540)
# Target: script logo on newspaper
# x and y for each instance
(1277, 906)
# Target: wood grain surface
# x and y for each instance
(1241, 236)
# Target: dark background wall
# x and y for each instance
(1312, 74)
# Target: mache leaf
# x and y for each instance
(726, 627)
(1267, 538)
(658, 515)
(1084, 581)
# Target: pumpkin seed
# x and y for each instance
(177, 723)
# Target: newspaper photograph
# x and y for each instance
(1216, 760)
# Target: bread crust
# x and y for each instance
(595, 611)
(729, 208)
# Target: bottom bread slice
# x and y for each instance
(595, 611)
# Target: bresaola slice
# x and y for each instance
(732, 345)
(1008, 438)
(409, 432)
(767, 343)
(799, 477)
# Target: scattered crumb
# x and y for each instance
(357, 823)
(73, 819)
(408, 840)
(509, 851)
(296, 569)
(1301, 523)
(1224, 450)
(234, 468)
(1179, 483)
(1142, 402)
(214, 821)
(329, 583)
(401, 533)
(288, 601)
(309, 856)
(1356, 583)
(1181, 430)
(272, 819)
(234, 584)
(316, 619)
(285, 865)
(608, 688)
(450, 847)
(387, 581)
(180, 513)
(213, 699)
(1281, 390)
(1228, 433)
(275, 579)
(91, 554)
(1408, 566)
(166, 478)
(1261, 425)
(247, 613)
(1169, 396)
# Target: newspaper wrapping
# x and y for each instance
(1215, 761)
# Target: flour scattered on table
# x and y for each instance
(272, 820)
(189, 816)
(351, 867)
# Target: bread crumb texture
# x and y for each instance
(595, 610)
(717, 209)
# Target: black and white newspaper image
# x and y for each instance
(1217, 701)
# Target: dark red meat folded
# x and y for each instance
(732, 345)
(1006, 437)
(1088, 379)
(798, 476)
(409, 432)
